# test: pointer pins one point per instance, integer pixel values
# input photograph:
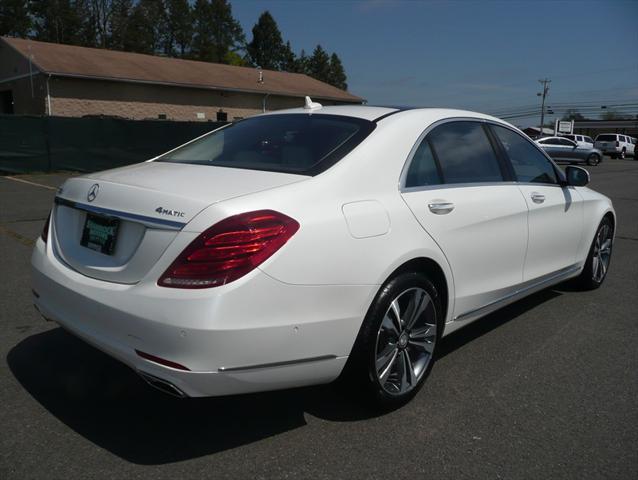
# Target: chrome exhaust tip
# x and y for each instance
(162, 385)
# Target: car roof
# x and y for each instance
(365, 112)
(377, 113)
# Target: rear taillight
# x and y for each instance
(45, 230)
(617, 143)
(229, 250)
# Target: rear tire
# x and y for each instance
(623, 154)
(599, 257)
(394, 351)
(593, 160)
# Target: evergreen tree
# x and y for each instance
(202, 47)
(57, 21)
(301, 63)
(100, 12)
(88, 35)
(119, 30)
(179, 27)
(288, 59)
(147, 27)
(319, 65)
(267, 47)
(14, 18)
(337, 73)
(228, 35)
(217, 35)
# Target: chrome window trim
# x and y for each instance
(408, 162)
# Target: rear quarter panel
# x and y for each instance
(325, 251)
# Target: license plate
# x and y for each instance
(100, 233)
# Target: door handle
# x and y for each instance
(538, 197)
(441, 208)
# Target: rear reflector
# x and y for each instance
(161, 361)
(229, 250)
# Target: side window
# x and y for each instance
(566, 143)
(529, 164)
(423, 169)
(464, 153)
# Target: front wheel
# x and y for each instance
(593, 160)
(394, 351)
(597, 263)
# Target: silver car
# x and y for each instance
(562, 149)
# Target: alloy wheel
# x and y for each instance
(405, 341)
(602, 253)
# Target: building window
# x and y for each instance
(162, 116)
(222, 116)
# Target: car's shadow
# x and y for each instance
(107, 403)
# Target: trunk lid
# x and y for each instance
(149, 204)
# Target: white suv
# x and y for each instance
(615, 145)
(581, 140)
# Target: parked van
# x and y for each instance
(581, 140)
(615, 145)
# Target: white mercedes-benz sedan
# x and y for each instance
(299, 246)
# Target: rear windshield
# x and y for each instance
(291, 143)
(606, 138)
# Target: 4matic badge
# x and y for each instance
(172, 213)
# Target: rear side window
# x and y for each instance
(529, 164)
(423, 170)
(606, 138)
(464, 153)
(290, 143)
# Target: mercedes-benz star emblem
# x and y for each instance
(93, 191)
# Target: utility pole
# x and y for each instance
(545, 82)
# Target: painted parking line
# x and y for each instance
(48, 187)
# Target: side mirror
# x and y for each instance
(576, 176)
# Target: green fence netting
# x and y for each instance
(44, 144)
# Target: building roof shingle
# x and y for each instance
(73, 61)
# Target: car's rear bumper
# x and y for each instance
(609, 150)
(252, 335)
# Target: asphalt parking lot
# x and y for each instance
(546, 388)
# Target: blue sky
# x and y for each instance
(481, 55)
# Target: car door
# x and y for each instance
(568, 149)
(553, 148)
(555, 221)
(456, 187)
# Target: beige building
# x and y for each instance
(42, 78)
